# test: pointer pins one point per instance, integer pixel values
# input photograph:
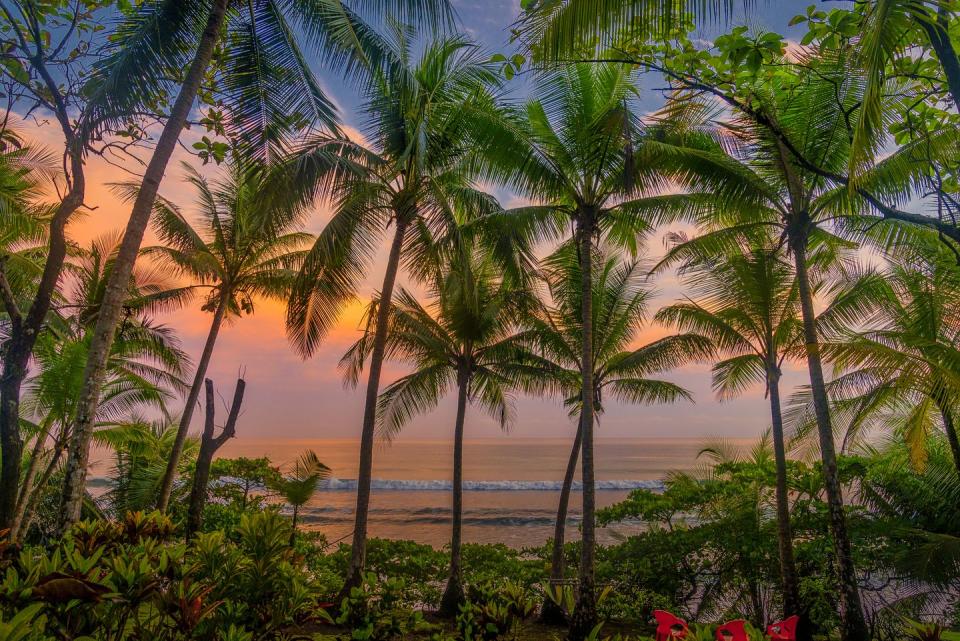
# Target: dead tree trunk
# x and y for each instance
(209, 444)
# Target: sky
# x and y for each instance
(291, 398)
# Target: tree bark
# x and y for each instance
(792, 603)
(551, 613)
(358, 551)
(453, 593)
(166, 487)
(853, 625)
(209, 444)
(116, 289)
(585, 614)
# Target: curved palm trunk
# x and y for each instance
(949, 427)
(853, 625)
(788, 566)
(585, 614)
(453, 593)
(552, 613)
(358, 551)
(112, 306)
(176, 451)
(29, 477)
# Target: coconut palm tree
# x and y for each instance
(269, 96)
(464, 340)
(748, 305)
(242, 250)
(620, 368)
(144, 370)
(768, 185)
(902, 369)
(299, 485)
(414, 175)
(571, 150)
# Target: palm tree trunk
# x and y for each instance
(293, 526)
(853, 625)
(30, 499)
(949, 427)
(585, 614)
(552, 613)
(28, 480)
(117, 286)
(938, 32)
(453, 594)
(358, 551)
(166, 487)
(788, 566)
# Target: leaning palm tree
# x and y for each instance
(620, 369)
(465, 340)
(902, 369)
(299, 485)
(265, 95)
(572, 150)
(144, 370)
(414, 176)
(747, 304)
(241, 251)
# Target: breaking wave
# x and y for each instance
(333, 485)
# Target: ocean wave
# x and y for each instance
(408, 485)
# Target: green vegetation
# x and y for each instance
(808, 193)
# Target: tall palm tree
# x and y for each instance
(270, 96)
(620, 298)
(571, 149)
(414, 176)
(748, 305)
(242, 250)
(464, 339)
(298, 486)
(767, 185)
(144, 369)
(902, 369)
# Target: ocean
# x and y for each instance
(511, 485)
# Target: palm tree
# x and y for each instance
(270, 96)
(242, 251)
(464, 339)
(769, 186)
(144, 370)
(572, 150)
(902, 369)
(748, 305)
(141, 449)
(415, 177)
(620, 369)
(299, 485)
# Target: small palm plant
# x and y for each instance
(298, 486)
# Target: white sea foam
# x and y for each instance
(409, 485)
